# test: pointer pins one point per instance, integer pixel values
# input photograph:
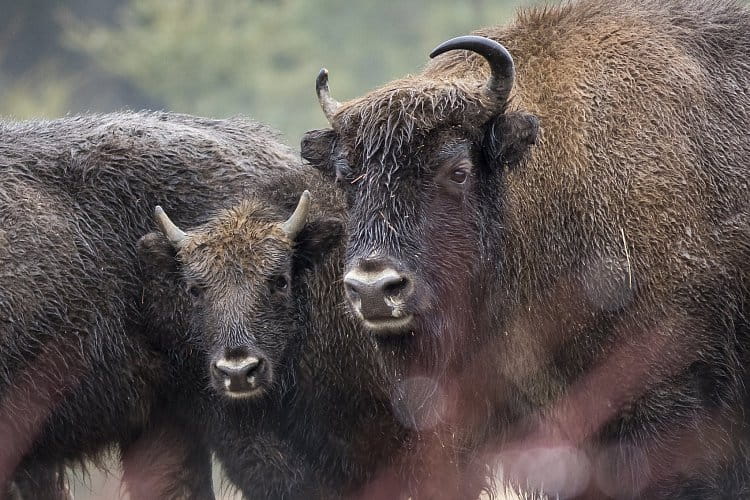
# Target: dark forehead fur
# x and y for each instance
(239, 243)
(385, 121)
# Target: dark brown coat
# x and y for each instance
(594, 292)
(84, 363)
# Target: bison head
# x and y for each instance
(239, 270)
(417, 159)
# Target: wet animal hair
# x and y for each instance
(616, 242)
(85, 363)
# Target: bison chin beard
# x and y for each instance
(431, 346)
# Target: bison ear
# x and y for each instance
(317, 239)
(508, 137)
(317, 148)
(157, 253)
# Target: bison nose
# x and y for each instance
(378, 295)
(238, 375)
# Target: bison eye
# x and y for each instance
(195, 291)
(459, 175)
(280, 283)
(343, 171)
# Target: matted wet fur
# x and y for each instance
(84, 363)
(585, 287)
(324, 424)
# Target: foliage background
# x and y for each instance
(217, 57)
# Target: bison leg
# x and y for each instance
(167, 462)
(254, 474)
(39, 482)
(262, 466)
(10, 492)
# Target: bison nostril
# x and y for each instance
(351, 288)
(253, 367)
(395, 287)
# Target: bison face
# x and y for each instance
(420, 160)
(240, 270)
(240, 279)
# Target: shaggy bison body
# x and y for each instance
(84, 362)
(558, 241)
(306, 410)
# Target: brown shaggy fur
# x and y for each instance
(611, 287)
(229, 250)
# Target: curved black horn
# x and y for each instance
(498, 57)
(327, 103)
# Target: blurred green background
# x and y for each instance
(217, 58)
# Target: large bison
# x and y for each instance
(558, 241)
(85, 362)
